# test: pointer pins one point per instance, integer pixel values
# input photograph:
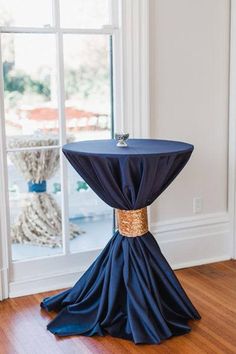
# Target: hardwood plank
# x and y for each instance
(212, 288)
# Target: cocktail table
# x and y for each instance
(130, 291)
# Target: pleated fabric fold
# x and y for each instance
(130, 291)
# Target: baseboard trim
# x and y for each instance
(194, 241)
(201, 261)
(185, 243)
(42, 284)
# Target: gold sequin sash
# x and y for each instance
(132, 223)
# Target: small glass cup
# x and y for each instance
(121, 139)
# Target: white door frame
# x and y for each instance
(131, 89)
(232, 127)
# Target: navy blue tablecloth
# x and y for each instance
(130, 291)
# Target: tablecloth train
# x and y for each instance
(130, 292)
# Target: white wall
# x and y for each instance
(189, 78)
(189, 98)
(189, 64)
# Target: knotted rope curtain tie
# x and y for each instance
(132, 223)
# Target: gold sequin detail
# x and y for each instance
(132, 223)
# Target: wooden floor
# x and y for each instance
(212, 288)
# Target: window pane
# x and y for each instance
(88, 86)
(35, 203)
(26, 13)
(89, 213)
(84, 14)
(30, 84)
(88, 116)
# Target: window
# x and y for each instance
(71, 70)
(57, 70)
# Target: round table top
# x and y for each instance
(135, 147)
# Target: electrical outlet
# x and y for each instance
(197, 205)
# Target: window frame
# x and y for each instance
(130, 33)
(232, 132)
